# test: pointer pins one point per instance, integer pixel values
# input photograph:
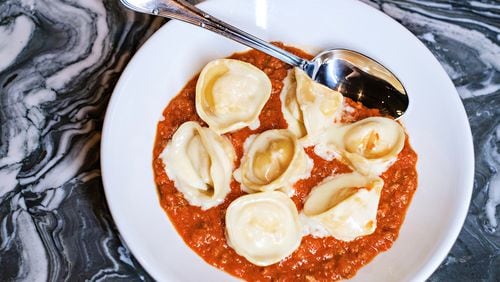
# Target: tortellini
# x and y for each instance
(309, 107)
(272, 160)
(263, 227)
(230, 94)
(345, 205)
(200, 162)
(370, 145)
(290, 106)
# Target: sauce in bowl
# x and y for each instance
(322, 259)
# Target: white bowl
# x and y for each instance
(436, 122)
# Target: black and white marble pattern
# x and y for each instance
(59, 62)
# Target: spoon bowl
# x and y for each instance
(351, 73)
(360, 78)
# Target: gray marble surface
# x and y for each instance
(59, 62)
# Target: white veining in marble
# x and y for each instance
(97, 20)
(33, 267)
(14, 36)
(493, 159)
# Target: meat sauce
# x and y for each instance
(317, 259)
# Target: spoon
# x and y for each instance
(353, 74)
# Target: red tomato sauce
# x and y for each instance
(317, 259)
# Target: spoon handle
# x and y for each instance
(182, 10)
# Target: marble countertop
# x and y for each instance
(59, 62)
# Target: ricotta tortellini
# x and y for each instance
(370, 145)
(345, 206)
(230, 94)
(308, 107)
(263, 227)
(200, 163)
(272, 160)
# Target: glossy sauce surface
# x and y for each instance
(322, 259)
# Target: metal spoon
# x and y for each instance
(351, 73)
